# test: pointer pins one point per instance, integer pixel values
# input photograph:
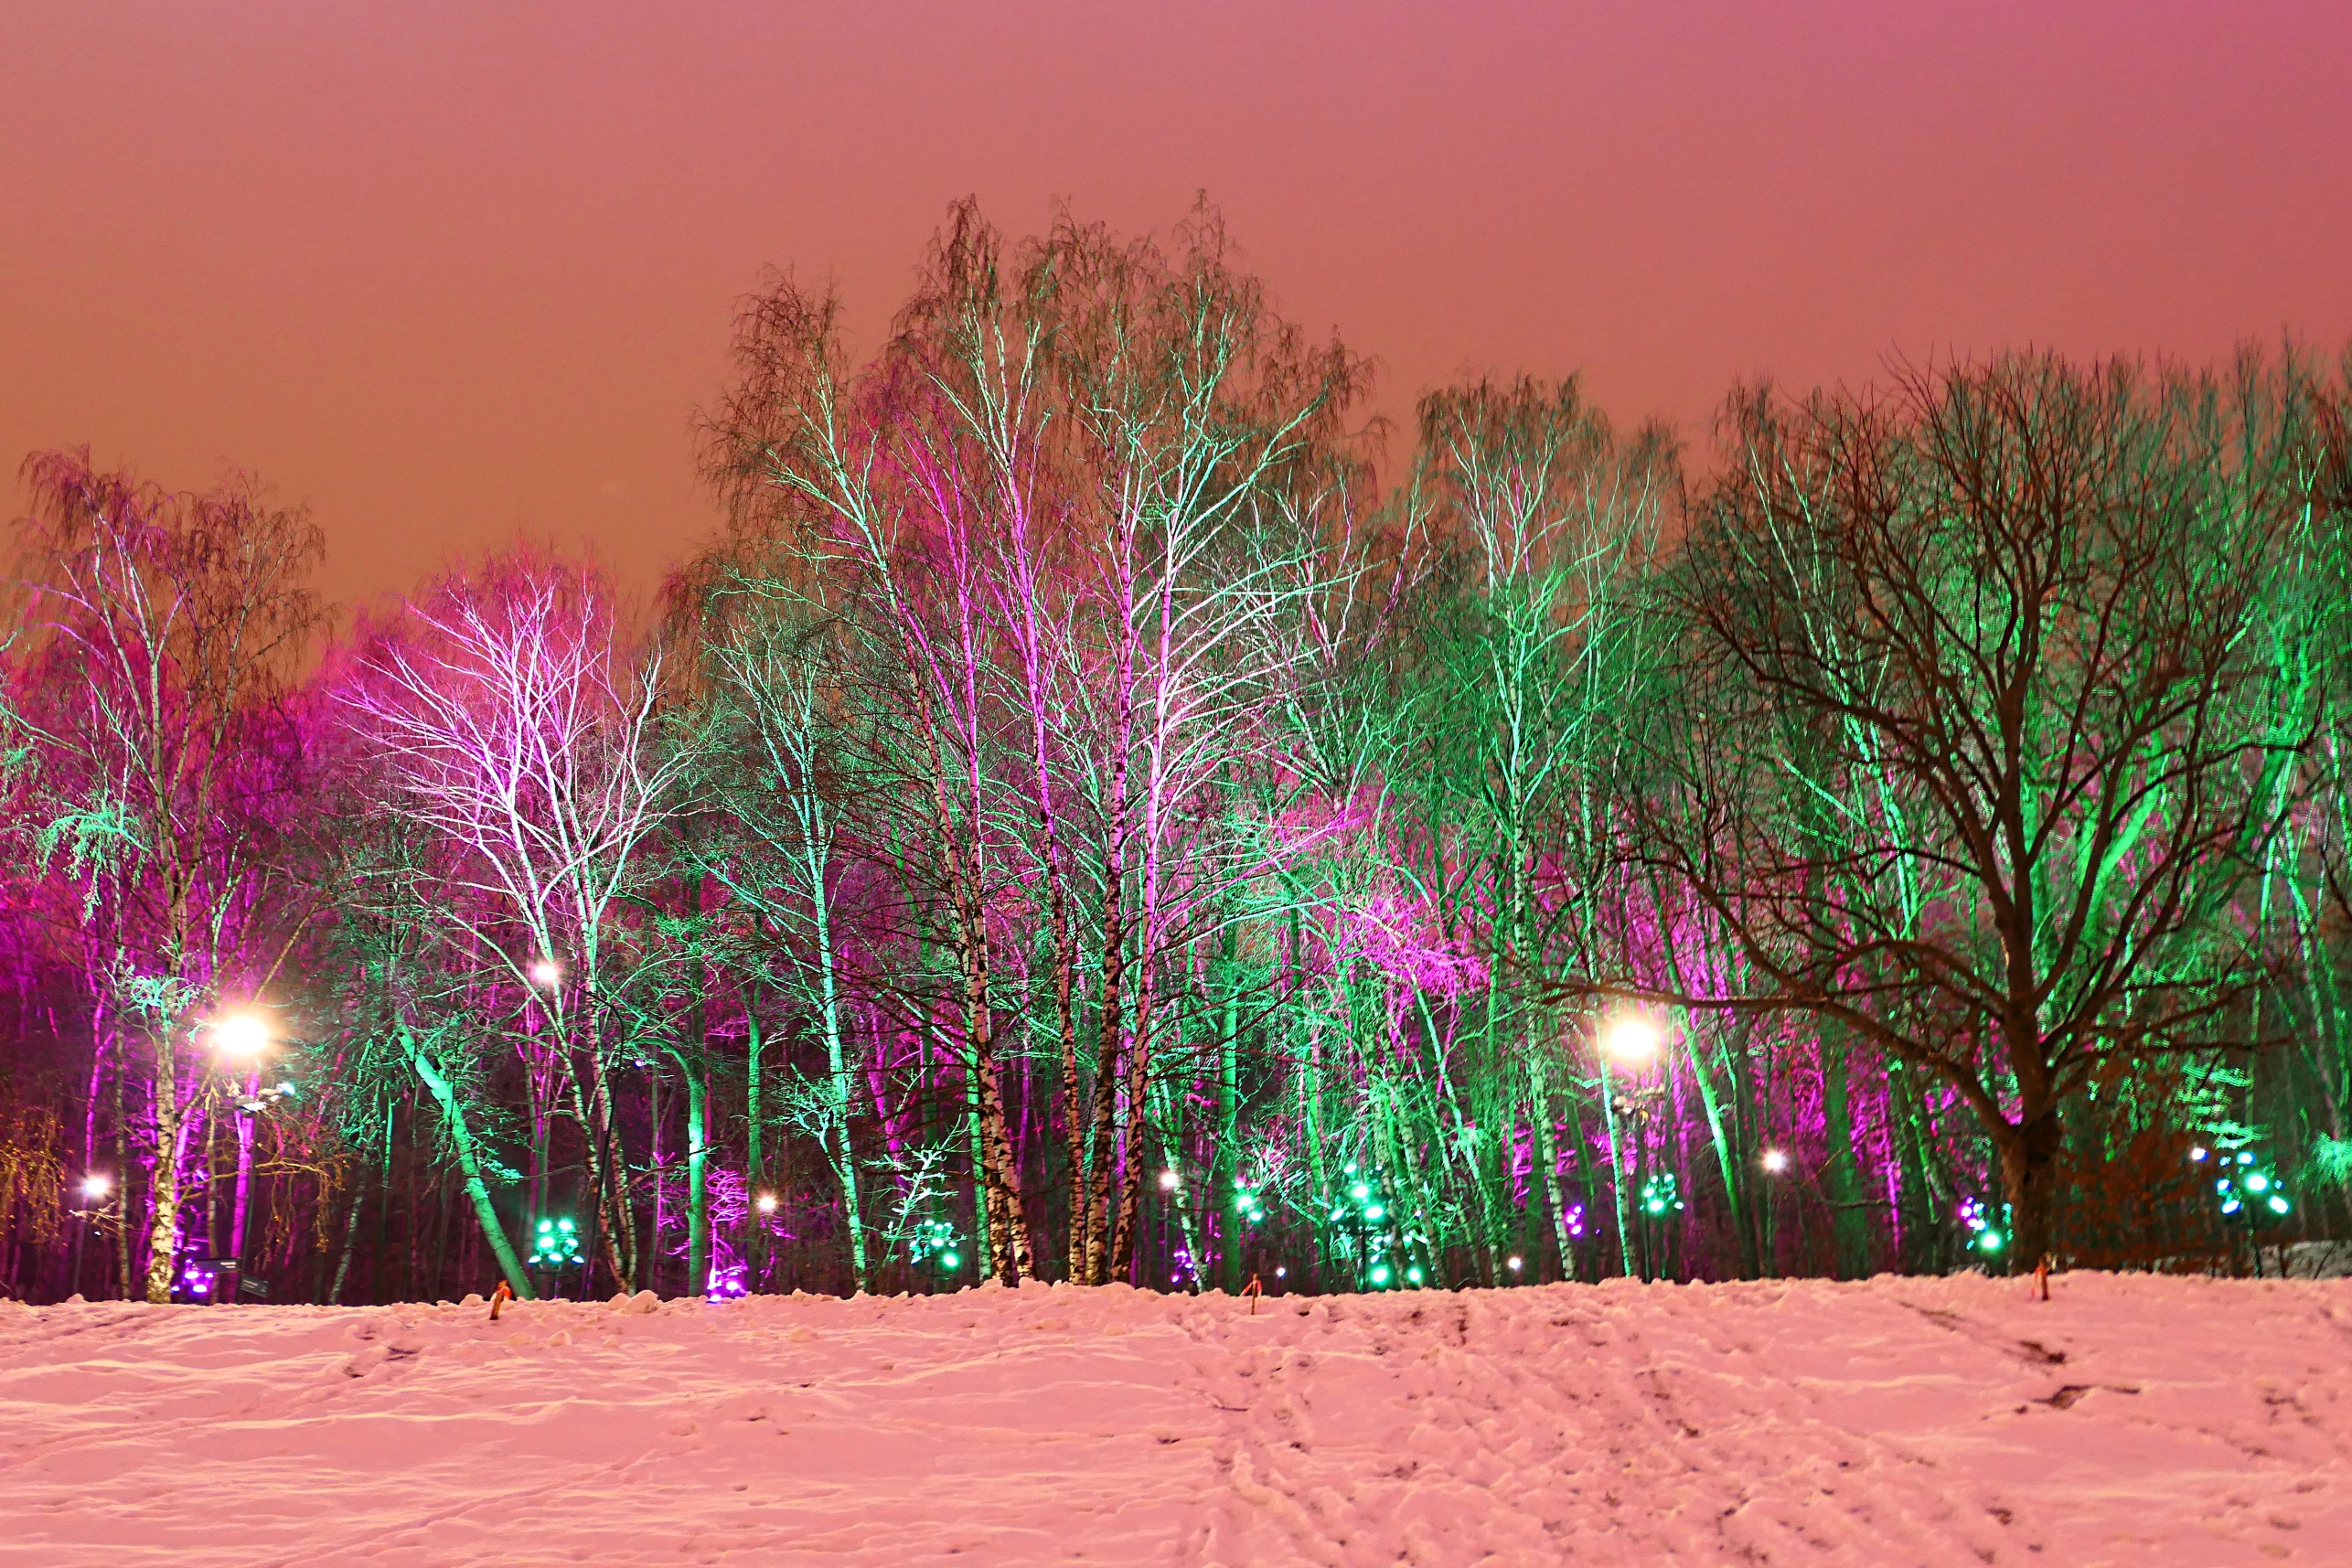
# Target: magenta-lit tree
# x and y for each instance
(161, 632)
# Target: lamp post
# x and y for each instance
(1774, 1163)
(555, 1251)
(1633, 1042)
(934, 1242)
(2249, 1192)
(239, 1042)
(96, 1187)
(1364, 1215)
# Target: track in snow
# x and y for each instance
(2132, 1420)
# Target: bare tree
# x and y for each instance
(518, 731)
(1988, 731)
(165, 629)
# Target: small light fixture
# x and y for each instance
(95, 1185)
(767, 1204)
(1514, 1262)
(1776, 1160)
(1169, 1182)
(545, 973)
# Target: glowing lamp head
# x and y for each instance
(1169, 1182)
(767, 1204)
(240, 1035)
(1514, 1264)
(96, 1186)
(545, 973)
(1776, 1160)
(951, 1260)
(1380, 1274)
(1632, 1040)
(2200, 1153)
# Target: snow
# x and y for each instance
(2130, 1420)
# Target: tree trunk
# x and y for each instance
(2029, 1176)
(1849, 1221)
(163, 1236)
(460, 1136)
(1548, 1151)
(697, 1177)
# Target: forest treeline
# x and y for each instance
(1104, 808)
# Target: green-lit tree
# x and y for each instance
(2022, 616)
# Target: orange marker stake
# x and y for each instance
(499, 1298)
(1254, 1289)
(2042, 1276)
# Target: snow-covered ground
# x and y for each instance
(2130, 1420)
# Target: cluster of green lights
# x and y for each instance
(1366, 1211)
(1984, 1235)
(1251, 1205)
(555, 1244)
(935, 1240)
(1662, 1196)
(2244, 1187)
(1363, 1192)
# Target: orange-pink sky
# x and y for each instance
(450, 271)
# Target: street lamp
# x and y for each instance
(240, 1035)
(96, 1187)
(1632, 1039)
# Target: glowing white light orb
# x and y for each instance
(96, 1186)
(2198, 1153)
(767, 1204)
(1632, 1040)
(545, 972)
(1776, 1160)
(240, 1034)
(1170, 1180)
(1513, 1263)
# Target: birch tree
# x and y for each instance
(517, 729)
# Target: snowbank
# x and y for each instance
(2132, 1420)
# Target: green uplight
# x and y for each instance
(950, 1260)
(1380, 1274)
(555, 1244)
